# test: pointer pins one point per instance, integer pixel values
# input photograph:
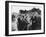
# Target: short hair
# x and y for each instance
(36, 10)
(32, 10)
(23, 11)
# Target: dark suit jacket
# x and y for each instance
(37, 24)
(22, 25)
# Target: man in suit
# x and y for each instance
(22, 25)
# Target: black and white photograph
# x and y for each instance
(24, 18)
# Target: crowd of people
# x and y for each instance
(28, 19)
